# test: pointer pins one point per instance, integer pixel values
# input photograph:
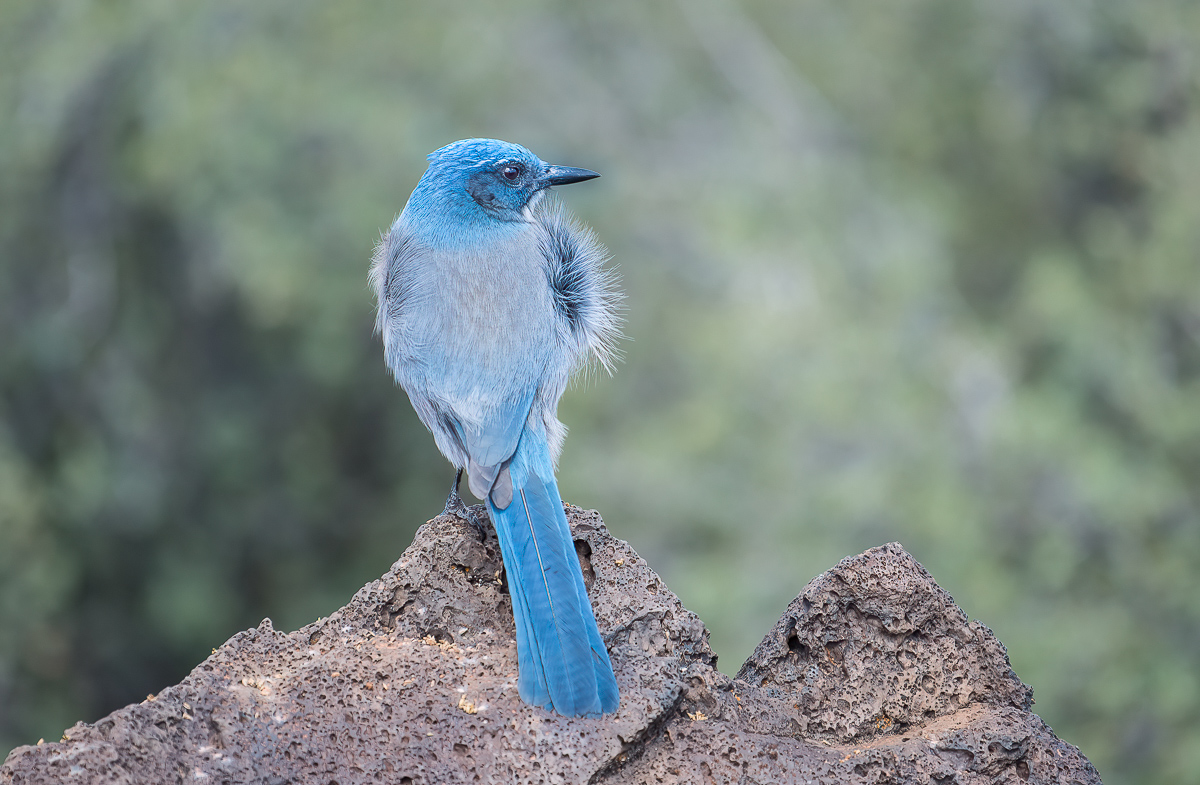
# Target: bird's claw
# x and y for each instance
(457, 507)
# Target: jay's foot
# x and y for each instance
(457, 507)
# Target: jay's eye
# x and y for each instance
(512, 172)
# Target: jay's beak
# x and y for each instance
(565, 175)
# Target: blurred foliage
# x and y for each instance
(921, 271)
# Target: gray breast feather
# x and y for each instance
(586, 297)
(474, 336)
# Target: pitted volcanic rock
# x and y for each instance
(873, 674)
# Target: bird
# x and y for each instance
(490, 298)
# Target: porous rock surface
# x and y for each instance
(872, 675)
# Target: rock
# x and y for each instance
(873, 674)
(874, 644)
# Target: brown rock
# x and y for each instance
(874, 644)
(872, 675)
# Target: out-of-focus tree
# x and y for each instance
(922, 272)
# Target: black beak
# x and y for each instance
(565, 175)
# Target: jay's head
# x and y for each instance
(488, 177)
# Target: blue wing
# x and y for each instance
(488, 448)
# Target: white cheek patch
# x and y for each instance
(531, 205)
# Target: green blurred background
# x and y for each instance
(923, 270)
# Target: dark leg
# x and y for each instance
(457, 507)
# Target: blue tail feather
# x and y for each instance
(531, 681)
(562, 659)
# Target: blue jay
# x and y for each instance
(490, 298)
